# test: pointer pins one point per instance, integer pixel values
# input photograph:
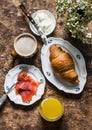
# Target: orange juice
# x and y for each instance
(51, 109)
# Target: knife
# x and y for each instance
(41, 34)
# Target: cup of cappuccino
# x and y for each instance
(25, 45)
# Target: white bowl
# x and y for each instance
(25, 45)
(45, 20)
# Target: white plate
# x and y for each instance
(79, 66)
(11, 78)
(45, 20)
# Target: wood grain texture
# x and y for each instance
(78, 108)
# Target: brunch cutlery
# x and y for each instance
(4, 96)
(41, 34)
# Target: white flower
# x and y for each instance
(89, 35)
(79, 14)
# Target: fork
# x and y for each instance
(4, 96)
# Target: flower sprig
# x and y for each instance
(78, 17)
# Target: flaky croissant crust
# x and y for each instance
(63, 64)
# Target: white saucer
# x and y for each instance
(11, 78)
(45, 20)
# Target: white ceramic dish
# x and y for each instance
(25, 45)
(79, 66)
(45, 20)
(11, 78)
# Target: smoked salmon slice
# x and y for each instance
(26, 96)
(26, 86)
(24, 77)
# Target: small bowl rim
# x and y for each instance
(53, 24)
(22, 35)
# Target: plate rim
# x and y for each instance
(6, 87)
(50, 42)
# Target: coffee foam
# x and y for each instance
(25, 45)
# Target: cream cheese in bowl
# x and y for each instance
(45, 20)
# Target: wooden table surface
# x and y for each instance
(78, 108)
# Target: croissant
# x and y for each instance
(63, 64)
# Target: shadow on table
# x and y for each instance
(60, 93)
(57, 125)
(86, 50)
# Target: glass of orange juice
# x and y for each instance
(51, 109)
